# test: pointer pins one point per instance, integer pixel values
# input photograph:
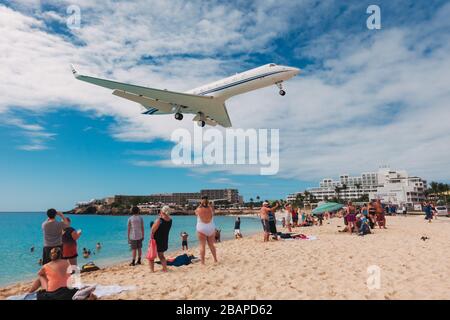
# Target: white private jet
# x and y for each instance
(206, 102)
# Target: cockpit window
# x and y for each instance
(272, 65)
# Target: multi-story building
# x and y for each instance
(230, 195)
(388, 185)
(177, 198)
(398, 187)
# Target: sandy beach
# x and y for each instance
(332, 267)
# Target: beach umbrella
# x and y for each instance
(327, 207)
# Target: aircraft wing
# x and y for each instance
(152, 106)
(162, 101)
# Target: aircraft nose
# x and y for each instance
(296, 71)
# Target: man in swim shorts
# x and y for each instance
(264, 215)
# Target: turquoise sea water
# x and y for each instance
(20, 231)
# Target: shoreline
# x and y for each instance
(335, 266)
(114, 262)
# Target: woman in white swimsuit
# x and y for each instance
(206, 229)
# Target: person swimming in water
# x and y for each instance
(206, 229)
(86, 253)
(98, 246)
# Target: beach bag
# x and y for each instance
(152, 251)
(89, 267)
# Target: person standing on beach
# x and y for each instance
(264, 215)
(53, 230)
(428, 208)
(381, 217)
(288, 210)
(160, 232)
(69, 241)
(135, 235)
(237, 228)
(372, 214)
(273, 222)
(351, 217)
(184, 237)
(206, 230)
(294, 213)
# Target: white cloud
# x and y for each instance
(34, 134)
(378, 98)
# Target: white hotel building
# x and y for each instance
(391, 186)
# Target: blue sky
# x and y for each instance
(366, 98)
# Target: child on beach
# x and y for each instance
(218, 235)
(184, 237)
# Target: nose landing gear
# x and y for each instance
(201, 123)
(280, 86)
(179, 116)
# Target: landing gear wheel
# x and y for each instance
(201, 123)
(280, 86)
(179, 116)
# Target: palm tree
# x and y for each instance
(338, 189)
(251, 203)
(434, 186)
(299, 200)
(257, 199)
(358, 187)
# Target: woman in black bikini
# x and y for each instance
(160, 232)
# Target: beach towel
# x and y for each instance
(99, 290)
(26, 296)
(300, 237)
(181, 260)
(104, 291)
